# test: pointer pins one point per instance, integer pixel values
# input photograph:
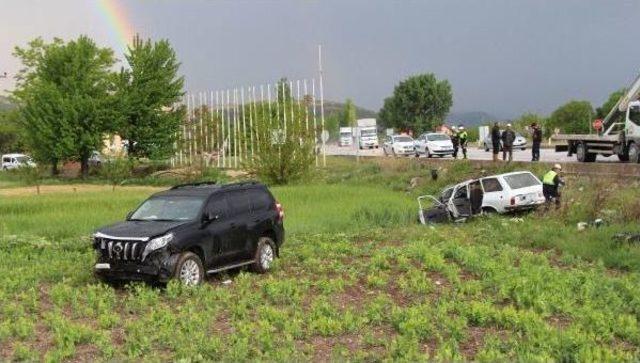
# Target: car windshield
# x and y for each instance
(168, 208)
(437, 137)
(368, 133)
(403, 139)
(522, 180)
(345, 134)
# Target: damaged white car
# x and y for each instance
(503, 193)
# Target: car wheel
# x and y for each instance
(427, 152)
(634, 153)
(583, 156)
(264, 256)
(189, 269)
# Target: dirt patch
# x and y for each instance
(323, 347)
(86, 353)
(353, 296)
(71, 188)
(559, 321)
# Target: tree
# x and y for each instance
(149, 91)
(349, 115)
(418, 103)
(65, 98)
(614, 97)
(527, 119)
(574, 117)
(11, 135)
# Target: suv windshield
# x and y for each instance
(168, 209)
(523, 180)
(437, 137)
(403, 139)
(368, 133)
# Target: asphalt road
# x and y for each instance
(473, 153)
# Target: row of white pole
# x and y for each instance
(223, 136)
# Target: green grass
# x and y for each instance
(357, 280)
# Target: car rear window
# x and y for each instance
(522, 180)
(260, 200)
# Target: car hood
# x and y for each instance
(404, 144)
(139, 228)
(440, 143)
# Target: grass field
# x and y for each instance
(358, 279)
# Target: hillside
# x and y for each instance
(471, 118)
(332, 107)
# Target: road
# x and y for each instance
(474, 153)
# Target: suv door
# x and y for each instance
(263, 215)
(240, 216)
(219, 231)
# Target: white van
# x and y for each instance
(12, 161)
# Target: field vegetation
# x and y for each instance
(358, 279)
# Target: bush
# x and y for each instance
(116, 171)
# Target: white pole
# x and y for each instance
(252, 106)
(244, 122)
(284, 109)
(291, 102)
(315, 125)
(220, 155)
(194, 127)
(202, 139)
(235, 128)
(228, 137)
(298, 95)
(306, 107)
(324, 153)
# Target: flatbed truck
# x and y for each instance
(621, 136)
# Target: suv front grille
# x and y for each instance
(117, 250)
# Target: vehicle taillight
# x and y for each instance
(280, 210)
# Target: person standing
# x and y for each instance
(536, 140)
(495, 140)
(463, 138)
(551, 183)
(508, 137)
(455, 140)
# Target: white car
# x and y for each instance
(519, 143)
(13, 161)
(503, 193)
(434, 143)
(399, 145)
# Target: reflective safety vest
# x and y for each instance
(549, 177)
(462, 135)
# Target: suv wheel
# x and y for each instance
(189, 269)
(264, 256)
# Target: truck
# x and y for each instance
(620, 136)
(346, 136)
(367, 133)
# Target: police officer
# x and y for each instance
(536, 138)
(551, 183)
(495, 140)
(455, 140)
(463, 139)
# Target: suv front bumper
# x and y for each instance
(158, 266)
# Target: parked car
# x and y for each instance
(519, 143)
(399, 145)
(13, 161)
(503, 193)
(95, 159)
(434, 143)
(346, 136)
(191, 230)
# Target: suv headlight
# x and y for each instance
(156, 244)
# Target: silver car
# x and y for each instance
(399, 145)
(519, 143)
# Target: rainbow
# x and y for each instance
(116, 16)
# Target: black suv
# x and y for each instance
(192, 229)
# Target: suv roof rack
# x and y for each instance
(195, 185)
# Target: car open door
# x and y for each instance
(459, 204)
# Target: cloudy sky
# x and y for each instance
(504, 57)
